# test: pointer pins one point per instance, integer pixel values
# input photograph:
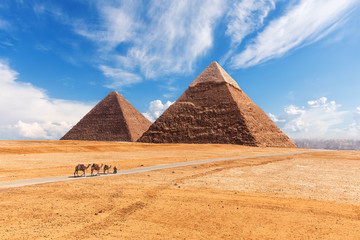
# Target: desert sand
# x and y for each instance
(307, 196)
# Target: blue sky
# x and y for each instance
(298, 60)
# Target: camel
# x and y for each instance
(106, 168)
(96, 167)
(80, 167)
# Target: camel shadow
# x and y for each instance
(95, 175)
(76, 176)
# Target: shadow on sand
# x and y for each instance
(95, 175)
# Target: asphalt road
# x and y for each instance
(28, 182)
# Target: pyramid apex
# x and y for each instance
(113, 93)
(214, 73)
(115, 96)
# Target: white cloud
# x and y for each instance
(158, 38)
(165, 37)
(28, 113)
(156, 108)
(317, 103)
(354, 128)
(275, 119)
(247, 16)
(319, 119)
(120, 77)
(304, 23)
(42, 130)
(178, 33)
(294, 110)
(322, 103)
(357, 116)
(118, 24)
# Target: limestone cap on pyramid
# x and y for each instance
(214, 73)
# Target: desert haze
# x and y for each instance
(311, 195)
(333, 144)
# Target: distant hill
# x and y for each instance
(333, 144)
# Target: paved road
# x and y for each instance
(27, 182)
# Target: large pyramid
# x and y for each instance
(112, 119)
(215, 110)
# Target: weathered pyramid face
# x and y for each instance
(112, 119)
(215, 110)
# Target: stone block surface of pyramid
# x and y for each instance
(112, 119)
(215, 110)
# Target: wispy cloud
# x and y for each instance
(160, 38)
(245, 17)
(119, 77)
(42, 47)
(6, 44)
(117, 23)
(170, 88)
(168, 37)
(4, 24)
(28, 113)
(304, 23)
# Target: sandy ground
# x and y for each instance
(83, 176)
(309, 196)
(37, 159)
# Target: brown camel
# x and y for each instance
(96, 167)
(106, 168)
(80, 167)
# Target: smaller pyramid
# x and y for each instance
(112, 119)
